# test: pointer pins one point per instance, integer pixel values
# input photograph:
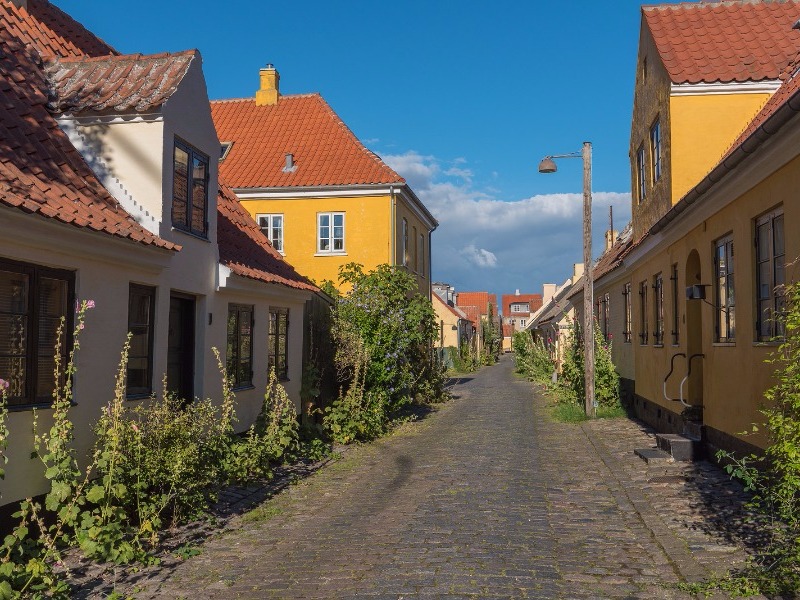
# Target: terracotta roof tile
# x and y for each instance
(724, 41)
(129, 82)
(245, 250)
(535, 301)
(479, 301)
(40, 170)
(325, 151)
(452, 309)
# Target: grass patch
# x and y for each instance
(570, 412)
(263, 513)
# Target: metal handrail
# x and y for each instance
(688, 373)
(671, 369)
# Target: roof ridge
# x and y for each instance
(252, 98)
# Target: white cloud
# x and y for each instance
(479, 256)
(485, 243)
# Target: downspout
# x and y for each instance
(392, 225)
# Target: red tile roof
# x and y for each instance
(724, 41)
(325, 151)
(50, 31)
(122, 83)
(40, 170)
(535, 301)
(479, 300)
(508, 330)
(473, 314)
(245, 250)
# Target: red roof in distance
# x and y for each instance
(534, 300)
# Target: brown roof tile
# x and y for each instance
(726, 41)
(130, 82)
(325, 151)
(245, 250)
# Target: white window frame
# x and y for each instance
(405, 242)
(641, 174)
(655, 150)
(269, 229)
(331, 238)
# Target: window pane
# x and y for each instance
(777, 231)
(324, 220)
(338, 220)
(199, 171)
(13, 369)
(180, 187)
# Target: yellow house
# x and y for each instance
(712, 171)
(320, 196)
(703, 72)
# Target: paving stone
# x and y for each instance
(485, 498)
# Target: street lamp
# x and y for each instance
(548, 165)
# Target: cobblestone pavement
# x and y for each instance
(486, 498)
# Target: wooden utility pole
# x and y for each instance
(588, 281)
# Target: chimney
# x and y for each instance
(548, 291)
(268, 93)
(516, 293)
(577, 271)
(611, 237)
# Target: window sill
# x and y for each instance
(243, 388)
(337, 253)
(774, 344)
(202, 238)
(135, 397)
(658, 345)
(723, 344)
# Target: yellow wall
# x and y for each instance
(448, 325)
(420, 269)
(734, 374)
(366, 237)
(703, 127)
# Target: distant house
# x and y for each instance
(456, 330)
(517, 311)
(482, 310)
(320, 196)
(109, 191)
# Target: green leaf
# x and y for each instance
(95, 493)
(6, 593)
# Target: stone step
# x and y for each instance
(653, 455)
(680, 447)
(693, 429)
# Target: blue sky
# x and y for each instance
(462, 98)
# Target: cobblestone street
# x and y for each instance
(487, 497)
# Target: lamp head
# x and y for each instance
(547, 165)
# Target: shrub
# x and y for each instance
(532, 359)
(606, 379)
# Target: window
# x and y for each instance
(522, 322)
(189, 189)
(655, 150)
(603, 315)
(643, 333)
(331, 232)
(405, 243)
(224, 148)
(724, 297)
(658, 309)
(675, 321)
(640, 174)
(627, 330)
(272, 227)
(141, 311)
(770, 276)
(33, 300)
(421, 254)
(240, 346)
(520, 307)
(279, 341)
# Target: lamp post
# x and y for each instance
(548, 165)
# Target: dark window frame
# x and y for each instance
(627, 330)
(149, 293)
(35, 274)
(675, 317)
(724, 290)
(641, 174)
(655, 151)
(274, 345)
(193, 153)
(770, 300)
(643, 321)
(658, 309)
(239, 377)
